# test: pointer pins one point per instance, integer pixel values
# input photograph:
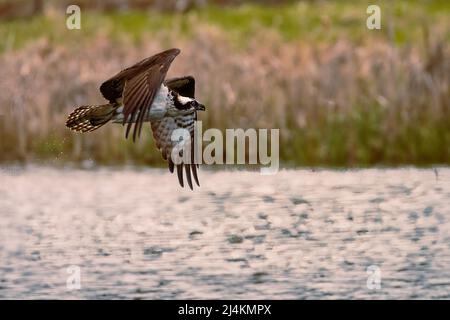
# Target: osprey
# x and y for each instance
(141, 94)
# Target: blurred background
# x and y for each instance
(342, 95)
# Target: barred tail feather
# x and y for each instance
(90, 118)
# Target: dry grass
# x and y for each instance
(336, 103)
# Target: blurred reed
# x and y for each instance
(337, 104)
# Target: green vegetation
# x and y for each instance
(403, 22)
(340, 94)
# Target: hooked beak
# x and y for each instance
(200, 107)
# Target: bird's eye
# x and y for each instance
(194, 103)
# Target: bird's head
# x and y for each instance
(186, 103)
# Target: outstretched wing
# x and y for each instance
(162, 133)
(137, 86)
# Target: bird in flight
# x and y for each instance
(141, 94)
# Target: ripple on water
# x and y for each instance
(313, 238)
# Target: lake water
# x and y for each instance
(299, 234)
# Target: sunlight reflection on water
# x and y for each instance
(297, 234)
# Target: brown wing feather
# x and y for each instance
(162, 133)
(137, 86)
(182, 85)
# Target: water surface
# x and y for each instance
(299, 234)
